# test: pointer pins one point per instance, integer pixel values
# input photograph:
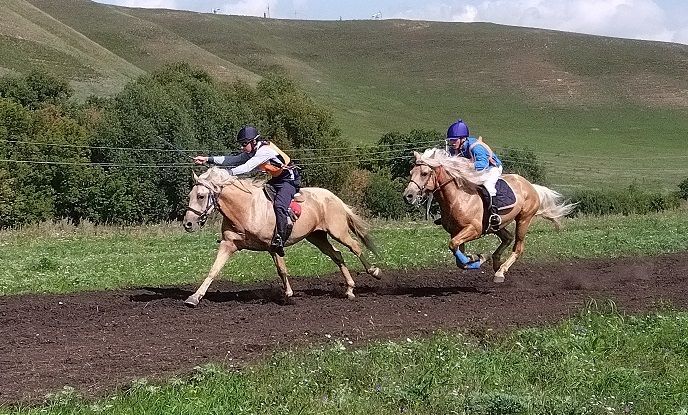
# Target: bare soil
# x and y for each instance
(98, 341)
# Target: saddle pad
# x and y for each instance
(506, 198)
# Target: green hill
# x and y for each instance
(596, 110)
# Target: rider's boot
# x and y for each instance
(277, 245)
(495, 219)
(438, 221)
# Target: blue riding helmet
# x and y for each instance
(457, 130)
(246, 134)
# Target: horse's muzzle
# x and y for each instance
(412, 198)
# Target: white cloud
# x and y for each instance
(640, 19)
(249, 7)
(148, 4)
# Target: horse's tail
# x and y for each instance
(360, 228)
(552, 205)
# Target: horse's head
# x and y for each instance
(423, 181)
(202, 202)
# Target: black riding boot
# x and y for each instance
(438, 221)
(277, 244)
(495, 219)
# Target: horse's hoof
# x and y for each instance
(288, 294)
(350, 296)
(191, 301)
(499, 277)
(375, 272)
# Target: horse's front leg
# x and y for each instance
(457, 242)
(227, 248)
(282, 271)
(472, 257)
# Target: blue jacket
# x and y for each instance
(479, 152)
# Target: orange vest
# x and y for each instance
(274, 167)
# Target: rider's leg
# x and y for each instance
(283, 197)
(490, 184)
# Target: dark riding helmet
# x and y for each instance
(247, 134)
(457, 130)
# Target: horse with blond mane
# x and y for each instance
(248, 222)
(453, 181)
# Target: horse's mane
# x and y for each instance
(458, 167)
(218, 177)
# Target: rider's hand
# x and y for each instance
(200, 160)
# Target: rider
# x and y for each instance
(460, 144)
(261, 154)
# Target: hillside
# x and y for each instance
(587, 105)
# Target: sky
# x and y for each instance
(662, 20)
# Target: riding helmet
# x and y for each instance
(247, 133)
(457, 130)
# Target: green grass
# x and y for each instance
(60, 259)
(597, 363)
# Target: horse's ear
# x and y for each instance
(195, 177)
(417, 155)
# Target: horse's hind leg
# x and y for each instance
(319, 239)
(506, 237)
(226, 249)
(284, 275)
(344, 238)
(522, 226)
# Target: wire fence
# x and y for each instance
(378, 152)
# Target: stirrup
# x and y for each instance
(495, 221)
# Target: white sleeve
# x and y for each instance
(262, 155)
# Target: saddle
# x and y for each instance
(294, 205)
(506, 199)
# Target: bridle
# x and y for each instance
(210, 204)
(437, 179)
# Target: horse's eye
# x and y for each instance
(424, 173)
(200, 196)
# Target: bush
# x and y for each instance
(394, 151)
(354, 188)
(382, 197)
(683, 189)
(524, 163)
(628, 201)
(35, 89)
(177, 107)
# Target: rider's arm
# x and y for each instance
(262, 155)
(229, 160)
(482, 157)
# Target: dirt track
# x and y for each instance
(95, 341)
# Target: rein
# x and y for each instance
(451, 179)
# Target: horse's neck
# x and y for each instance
(240, 202)
(453, 195)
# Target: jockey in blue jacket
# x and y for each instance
(263, 155)
(459, 143)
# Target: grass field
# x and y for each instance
(57, 259)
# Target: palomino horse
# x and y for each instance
(452, 181)
(249, 221)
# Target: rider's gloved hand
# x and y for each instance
(200, 160)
